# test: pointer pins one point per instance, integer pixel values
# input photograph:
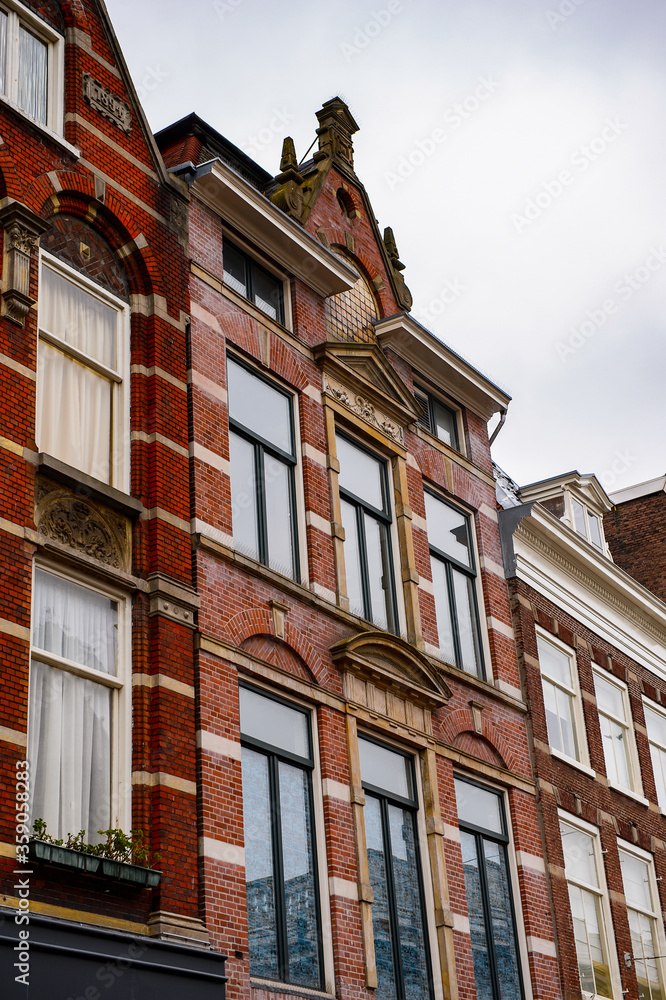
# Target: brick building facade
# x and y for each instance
(97, 597)
(372, 616)
(592, 645)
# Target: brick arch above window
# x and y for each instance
(76, 243)
(462, 721)
(259, 622)
(279, 654)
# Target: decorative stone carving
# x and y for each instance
(103, 100)
(403, 293)
(364, 409)
(289, 195)
(336, 128)
(22, 230)
(80, 525)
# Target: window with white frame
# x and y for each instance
(82, 377)
(402, 955)
(561, 698)
(587, 524)
(647, 938)
(76, 724)
(590, 913)
(484, 840)
(366, 519)
(616, 731)
(262, 452)
(31, 55)
(454, 583)
(282, 892)
(655, 721)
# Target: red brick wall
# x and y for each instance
(636, 533)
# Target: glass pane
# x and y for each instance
(644, 945)
(554, 662)
(379, 577)
(609, 697)
(244, 516)
(299, 877)
(579, 860)
(501, 916)
(259, 407)
(360, 473)
(659, 768)
(448, 530)
(616, 751)
(259, 876)
(32, 70)
(267, 292)
(476, 915)
(274, 723)
(479, 806)
(234, 269)
(592, 963)
(78, 318)
(559, 719)
(352, 560)
(381, 925)
(595, 530)
(445, 424)
(406, 884)
(279, 515)
(3, 52)
(70, 752)
(74, 413)
(468, 633)
(636, 879)
(656, 726)
(74, 622)
(385, 769)
(579, 518)
(443, 610)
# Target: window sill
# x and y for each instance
(270, 985)
(87, 487)
(630, 795)
(573, 762)
(55, 136)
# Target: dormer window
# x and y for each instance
(587, 524)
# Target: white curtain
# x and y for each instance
(74, 402)
(69, 742)
(32, 81)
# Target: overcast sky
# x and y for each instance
(518, 150)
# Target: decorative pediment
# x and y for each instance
(359, 377)
(82, 526)
(389, 663)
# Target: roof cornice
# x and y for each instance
(237, 202)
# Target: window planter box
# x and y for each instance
(119, 871)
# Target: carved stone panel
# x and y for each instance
(103, 100)
(364, 409)
(82, 525)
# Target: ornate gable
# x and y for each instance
(359, 378)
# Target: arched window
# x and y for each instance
(349, 315)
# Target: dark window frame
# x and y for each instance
(410, 805)
(479, 833)
(261, 447)
(472, 574)
(252, 266)
(275, 755)
(427, 418)
(362, 507)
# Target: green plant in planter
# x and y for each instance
(118, 846)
